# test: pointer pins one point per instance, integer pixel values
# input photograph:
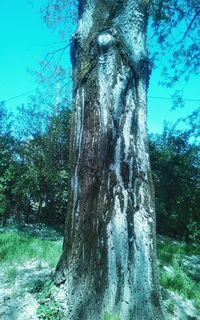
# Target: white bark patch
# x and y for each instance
(118, 162)
(117, 254)
(142, 248)
(86, 21)
(105, 76)
(118, 241)
(112, 270)
(127, 135)
(80, 102)
(132, 19)
(121, 83)
(143, 158)
(143, 245)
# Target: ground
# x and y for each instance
(18, 300)
(27, 291)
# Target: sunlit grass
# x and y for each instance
(109, 317)
(171, 254)
(167, 249)
(18, 248)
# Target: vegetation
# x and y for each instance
(109, 317)
(34, 166)
(171, 254)
(176, 172)
(16, 248)
(49, 308)
(34, 172)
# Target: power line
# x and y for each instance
(28, 92)
(21, 95)
(33, 90)
(168, 98)
(36, 89)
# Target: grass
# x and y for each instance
(167, 249)
(18, 248)
(109, 317)
(171, 254)
(11, 274)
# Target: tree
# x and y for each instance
(176, 172)
(42, 155)
(34, 163)
(109, 258)
(175, 26)
(7, 164)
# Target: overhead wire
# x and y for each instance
(29, 92)
(169, 98)
(39, 88)
(62, 50)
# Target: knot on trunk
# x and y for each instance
(105, 41)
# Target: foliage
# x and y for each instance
(7, 165)
(175, 26)
(59, 13)
(49, 308)
(176, 173)
(34, 166)
(194, 231)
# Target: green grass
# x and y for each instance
(172, 254)
(18, 248)
(109, 317)
(167, 249)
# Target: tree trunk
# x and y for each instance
(109, 258)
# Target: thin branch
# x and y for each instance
(55, 51)
(190, 25)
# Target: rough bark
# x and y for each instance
(109, 258)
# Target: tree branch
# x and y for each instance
(190, 25)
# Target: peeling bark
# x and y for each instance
(109, 258)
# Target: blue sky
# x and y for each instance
(25, 39)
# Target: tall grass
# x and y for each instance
(168, 249)
(18, 248)
(177, 279)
